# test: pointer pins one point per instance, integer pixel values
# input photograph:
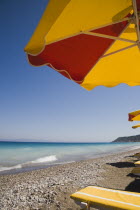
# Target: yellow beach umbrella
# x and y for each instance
(134, 116)
(136, 126)
(90, 42)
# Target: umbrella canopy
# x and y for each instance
(90, 42)
(134, 116)
(136, 126)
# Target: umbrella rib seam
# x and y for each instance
(107, 50)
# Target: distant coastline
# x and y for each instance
(127, 139)
(124, 139)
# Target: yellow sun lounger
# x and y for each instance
(136, 171)
(99, 197)
(137, 155)
(137, 163)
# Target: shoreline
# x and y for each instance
(25, 167)
(51, 187)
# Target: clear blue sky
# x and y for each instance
(39, 103)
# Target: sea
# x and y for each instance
(16, 157)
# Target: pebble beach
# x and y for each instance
(51, 188)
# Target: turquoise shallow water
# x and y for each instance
(24, 156)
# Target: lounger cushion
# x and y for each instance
(136, 171)
(137, 155)
(108, 198)
(137, 163)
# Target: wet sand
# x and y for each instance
(51, 188)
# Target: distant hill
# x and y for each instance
(128, 139)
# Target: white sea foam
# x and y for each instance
(50, 158)
(60, 163)
(44, 159)
(10, 168)
(134, 147)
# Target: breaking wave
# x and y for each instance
(10, 168)
(45, 159)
